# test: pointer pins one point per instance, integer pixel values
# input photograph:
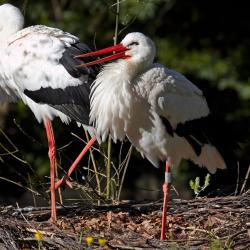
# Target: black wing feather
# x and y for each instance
(73, 101)
(71, 63)
(192, 131)
(167, 125)
(196, 132)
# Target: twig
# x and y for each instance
(23, 216)
(32, 230)
(117, 21)
(93, 147)
(26, 134)
(231, 236)
(30, 184)
(211, 234)
(238, 178)
(64, 146)
(8, 139)
(125, 247)
(18, 184)
(245, 180)
(124, 171)
(8, 151)
(95, 168)
(108, 167)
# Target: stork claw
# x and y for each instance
(64, 181)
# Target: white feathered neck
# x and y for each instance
(11, 21)
(111, 99)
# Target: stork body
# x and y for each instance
(156, 108)
(36, 65)
(150, 104)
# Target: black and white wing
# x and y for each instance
(183, 110)
(40, 59)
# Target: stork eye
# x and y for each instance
(133, 43)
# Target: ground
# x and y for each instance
(204, 223)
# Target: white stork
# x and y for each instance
(153, 106)
(36, 65)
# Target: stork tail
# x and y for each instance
(210, 158)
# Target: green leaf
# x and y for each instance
(191, 184)
(207, 180)
(197, 182)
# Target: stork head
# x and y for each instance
(139, 48)
(135, 48)
(11, 21)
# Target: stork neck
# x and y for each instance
(129, 70)
(11, 27)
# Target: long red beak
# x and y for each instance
(116, 48)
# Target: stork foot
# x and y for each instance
(63, 182)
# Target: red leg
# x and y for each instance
(52, 157)
(165, 188)
(65, 179)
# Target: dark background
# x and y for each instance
(208, 41)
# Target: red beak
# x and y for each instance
(116, 48)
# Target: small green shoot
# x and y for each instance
(216, 244)
(196, 186)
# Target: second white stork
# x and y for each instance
(153, 106)
(37, 65)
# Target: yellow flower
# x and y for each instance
(89, 240)
(38, 236)
(102, 242)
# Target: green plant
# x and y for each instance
(216, 244)
(196, 186)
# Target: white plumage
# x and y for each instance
(145, 102)
(29, 59)
(37, 65)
